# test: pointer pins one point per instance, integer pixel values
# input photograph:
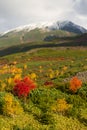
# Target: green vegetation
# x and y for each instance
(36, 35)
(14, 45)
(52, 105)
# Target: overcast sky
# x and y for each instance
(15, 13)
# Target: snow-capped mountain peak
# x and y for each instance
(59, 25)
(71, 27)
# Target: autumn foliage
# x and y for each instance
(23, 87)
(48, 83)
(75, 84)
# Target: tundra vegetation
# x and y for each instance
(45, 89)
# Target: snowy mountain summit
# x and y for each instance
(59, 25)
(68, 26)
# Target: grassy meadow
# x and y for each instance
(55, 94)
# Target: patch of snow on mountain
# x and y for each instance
(46, 26)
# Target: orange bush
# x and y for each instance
(75, 84)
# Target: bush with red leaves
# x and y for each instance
(23, 87)
(48, 83)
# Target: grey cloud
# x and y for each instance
(81, 7)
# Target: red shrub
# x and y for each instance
(48, 83)
(23, 87)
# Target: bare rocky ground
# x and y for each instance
(81, 75)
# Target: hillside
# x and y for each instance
(44, 82)
(78, 40)
(56, 96)
(37, 32)
(75, 41)
(35, 35)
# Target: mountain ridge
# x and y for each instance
(48, 26)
